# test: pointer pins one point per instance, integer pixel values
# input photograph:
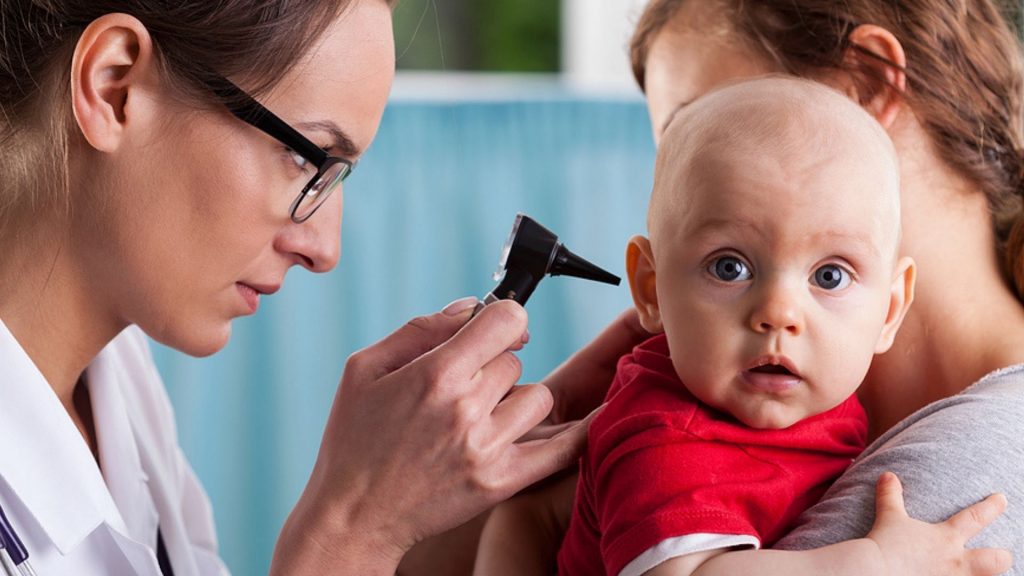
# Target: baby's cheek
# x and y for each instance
(694, 357)
(840, 377)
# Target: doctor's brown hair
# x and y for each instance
(256, 40)
(964, 78)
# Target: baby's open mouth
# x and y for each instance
(772, 369)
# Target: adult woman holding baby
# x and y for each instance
(944, 79)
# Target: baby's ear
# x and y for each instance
(901, 294)
(640, 269)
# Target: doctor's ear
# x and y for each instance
(875, 72)
(112, 62)
(640, 270)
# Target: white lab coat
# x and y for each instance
(76, 520)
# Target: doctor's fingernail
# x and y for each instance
(460, 306)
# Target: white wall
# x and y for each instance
(595, 47)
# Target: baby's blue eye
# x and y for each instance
(831, 277)
(729, 269)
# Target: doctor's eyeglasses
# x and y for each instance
(330, 170)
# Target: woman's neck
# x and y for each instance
(941, 350)
(965, 320)
(46, 304)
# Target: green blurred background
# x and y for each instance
(478, 35)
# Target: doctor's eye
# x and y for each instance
(831, 277)
(298, 163)
(729, 269)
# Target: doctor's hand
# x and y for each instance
(578, 386)
(422, 436)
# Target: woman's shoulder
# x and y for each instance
(976, 419)
(972, 432)
(1004, 384)
(983, 419)
(949, 454)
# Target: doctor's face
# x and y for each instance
(200, 225)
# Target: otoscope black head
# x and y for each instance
(531, 247)
(533, 251)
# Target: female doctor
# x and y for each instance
(164, 165)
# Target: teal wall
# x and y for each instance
(426, 213)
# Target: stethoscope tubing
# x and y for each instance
(9, 568)
(13, 555)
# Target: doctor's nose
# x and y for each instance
(316, 243)
(777, 310)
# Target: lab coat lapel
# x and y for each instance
(119, 453)
(154, 454)
(45, 461)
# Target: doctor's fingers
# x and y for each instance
(493, 382)
(492, 332)
(467, 407)
(519, 412)
(417, 337)
(547, 430)
(527, 463)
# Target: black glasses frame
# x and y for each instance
(247, 109)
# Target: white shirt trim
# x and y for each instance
(683, 545)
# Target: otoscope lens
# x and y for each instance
(506, 249)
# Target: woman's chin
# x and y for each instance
(194, 341)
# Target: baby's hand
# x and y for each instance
(911, 546)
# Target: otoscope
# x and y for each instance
(530, 253)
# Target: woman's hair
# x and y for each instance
(257, 40)
(964, 78)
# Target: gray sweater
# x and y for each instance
(949, 455)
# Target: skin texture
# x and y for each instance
(808, 186)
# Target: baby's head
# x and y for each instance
(772, 263)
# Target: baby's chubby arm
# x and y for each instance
(523, 533)
(896, 545)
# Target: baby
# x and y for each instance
(771, 276)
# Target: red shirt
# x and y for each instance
(659, 464)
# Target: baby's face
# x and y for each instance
(774, 279)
